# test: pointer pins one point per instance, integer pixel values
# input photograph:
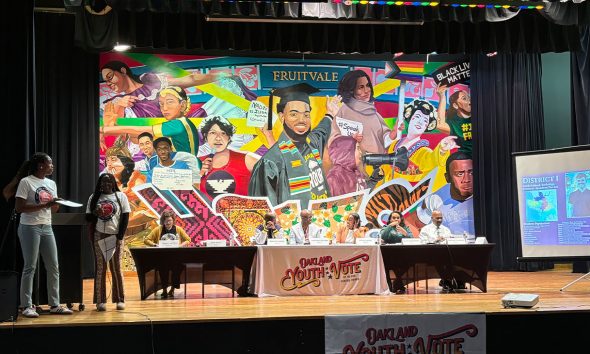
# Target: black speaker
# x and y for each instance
(8, 296)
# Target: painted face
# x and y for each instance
(437, 218)
(107, 185)
(47, 166)
(463, 103)
(581, 181)
(171, 106)
(418, 123)
(297, 116)
(163, 151)
(146, 145)
(115, 80)
(169, 222)
(217, 138)
(362, 91)
(351, 222)
(114, 165)
(461, 176)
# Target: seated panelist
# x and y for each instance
(304, 230)
(168, 231)
(349, 232)
(270, 229)
(396, 229)
(435, 232)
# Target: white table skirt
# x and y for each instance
(318, 270)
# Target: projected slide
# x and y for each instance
(554, 202)
(557, 209)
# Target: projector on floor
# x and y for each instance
(520, 300)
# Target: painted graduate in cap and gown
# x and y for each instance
(292, 167)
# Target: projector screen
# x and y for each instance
(553, 189)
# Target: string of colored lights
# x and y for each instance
(504, 5)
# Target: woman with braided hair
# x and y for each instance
(108, 215)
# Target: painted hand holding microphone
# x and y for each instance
(207, 163)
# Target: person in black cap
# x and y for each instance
(291, 169)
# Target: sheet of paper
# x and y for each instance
(172, 179)
(69, 203)
(257, 114)
(107, 247)
(349, 127)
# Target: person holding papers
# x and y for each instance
(163, 147)
(36, 198)
(436, 232)
(168, 230)
(303, 231)
(270, 229)
(108, 215)
(358, 107)
(349, 232)
(396, 229)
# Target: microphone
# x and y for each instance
(212, 153)
(269, 234)
(210, 156)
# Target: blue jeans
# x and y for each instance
(35, 239)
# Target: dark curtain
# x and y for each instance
(580, 88)
(507, 117)
(529, 32)
(51, 93)
(580, 82)
(67, 106)
(18, 82)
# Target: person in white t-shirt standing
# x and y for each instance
(108, 215)
(36, 198)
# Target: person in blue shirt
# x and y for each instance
(163, 147)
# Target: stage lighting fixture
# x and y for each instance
(119, 47)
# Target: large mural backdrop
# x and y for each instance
(375, 137)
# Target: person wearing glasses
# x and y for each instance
(224, 170)
(304, 230)
(292, 167)
(137, 96)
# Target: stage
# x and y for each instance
(220, 323)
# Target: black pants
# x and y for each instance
(170, 276)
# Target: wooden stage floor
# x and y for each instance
(219, 306)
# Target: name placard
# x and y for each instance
(215, 243)
(366, 241)
(276, 242)
(169, 243)
(456, 241)
(481, 240)
(411, 241)
(319, 241)
(172, 179)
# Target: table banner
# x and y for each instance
(319, 270)
(406, 333)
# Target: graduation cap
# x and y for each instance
(298, 92)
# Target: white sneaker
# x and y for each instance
(101, 307)
(120, 306)
(30, 312)
(58, 310)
